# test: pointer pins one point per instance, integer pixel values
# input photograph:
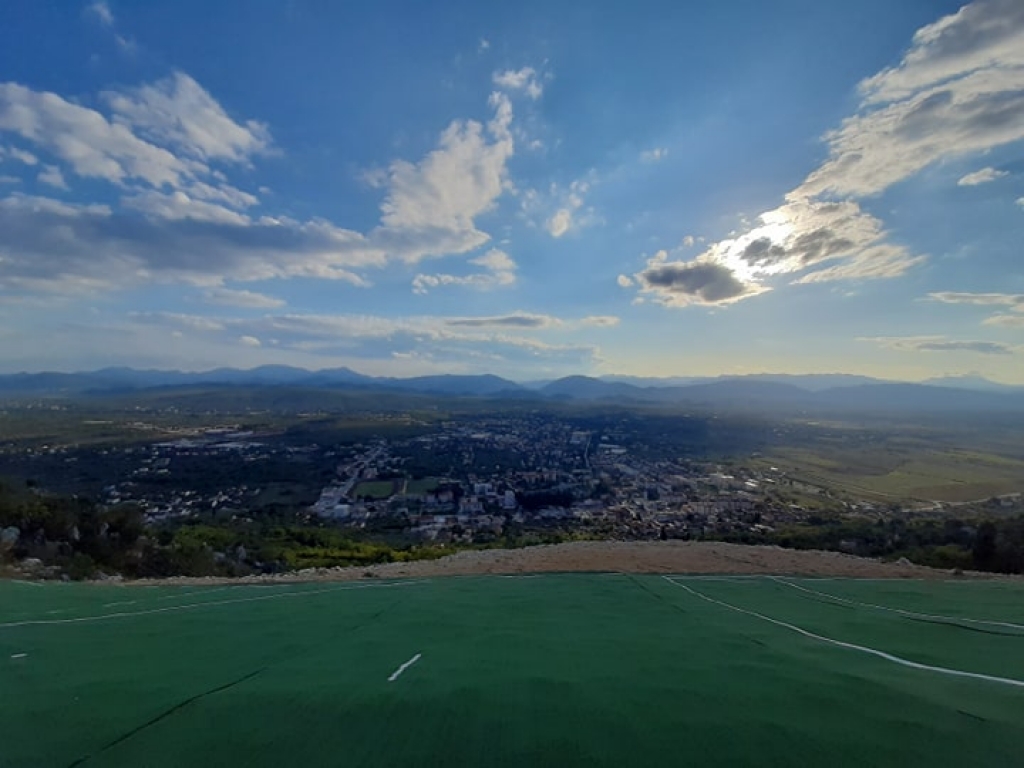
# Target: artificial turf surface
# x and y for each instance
(552, 670)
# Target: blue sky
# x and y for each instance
(532, 190)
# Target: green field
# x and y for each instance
(887, 473)
(424, 485)
(375, 489)
(551, 670)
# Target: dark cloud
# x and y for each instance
(703, 281)
(763, 251)
(940, 344)
(60, 247)
(982, 347)
(504, 321)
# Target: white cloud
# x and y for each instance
(181, 220)
(179, 113)
(959, 90)
(431, 205)
(983, 176)
(688, 241)
(569, 214)
(654, 155)
(101, 11)
(495, 260)
(5, 179)
(500, 271)
(560, 223)
(250, 341)
(624, 281)
(90, 144)
(1014, 300)
(981, 36)
(18, 154)
(524, 79)
(178, 205)
(877, 262)
(229, 297)
(54, 246)
(52, 176)
(483, 45)
(1005, 321)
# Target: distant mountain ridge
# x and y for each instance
(766, 392)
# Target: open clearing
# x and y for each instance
(375, 489)
(889, 473)
(540, 670)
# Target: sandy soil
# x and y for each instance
(627, 557)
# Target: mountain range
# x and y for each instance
(757, 391)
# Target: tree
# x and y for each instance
(984, 551)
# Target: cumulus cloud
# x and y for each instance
(525, 80)
(177, 112)
(983, 176)
(939, 344)
(18, 154)
(959, 90)
(51, 176)
(560, 223)
(250, 341)
(624, 281)
(165, 148)
(679, 283)
(92, 145)
(500, 270)
(54, 246)
(561, 209)
(437, 199)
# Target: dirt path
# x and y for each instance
(626, 557)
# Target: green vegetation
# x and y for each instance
(546, 671)
(375, 489)
(421, 486)
(902, 469)
(986, 545)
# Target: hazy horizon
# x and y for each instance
(531, 191)
(525, 381)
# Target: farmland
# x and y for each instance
(598, 669)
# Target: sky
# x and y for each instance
(533, 189)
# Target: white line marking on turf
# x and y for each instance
(901, 611)
(26, 583)
(401, 669)
(852, 646)
(18, 655)
(188, 606)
